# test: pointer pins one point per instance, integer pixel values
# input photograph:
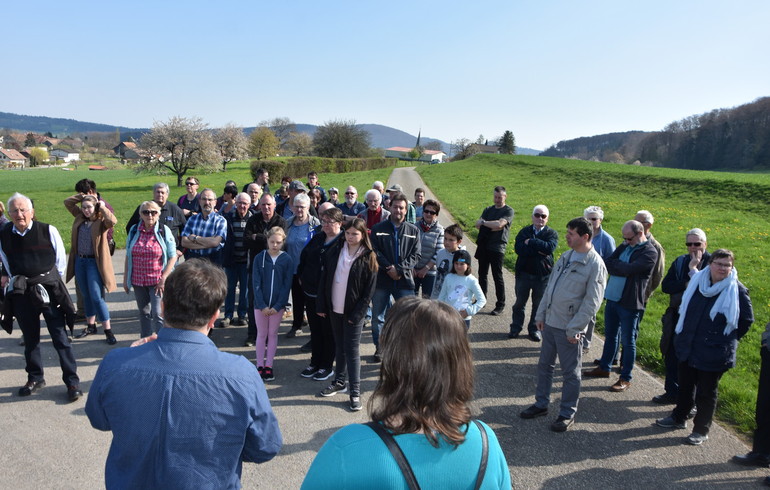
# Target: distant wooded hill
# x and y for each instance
(723, 139)
(382, 136)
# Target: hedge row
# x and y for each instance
(300, 166)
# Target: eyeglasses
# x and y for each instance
(536, 215)
(243, 203)
(190, 183)
(350, 193)
(628, 239)
(594, 219)
(327, 222)
(692, 244)
(429, 211)
(149, 212)
(722, 265)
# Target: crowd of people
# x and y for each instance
(335, 264)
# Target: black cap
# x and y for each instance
(462, 256)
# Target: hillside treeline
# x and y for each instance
(723, 139)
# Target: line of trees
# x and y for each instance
(180, 144)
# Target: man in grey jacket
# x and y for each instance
(572, 297)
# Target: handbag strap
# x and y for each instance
(395, 450)
(484, 455)
(406, 469)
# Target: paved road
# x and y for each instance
(48, 443)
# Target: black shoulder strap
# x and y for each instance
(484, 455)
(395, 450)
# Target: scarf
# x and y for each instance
(726, 303)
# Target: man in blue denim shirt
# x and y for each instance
(182, 413)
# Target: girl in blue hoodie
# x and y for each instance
(272, 274)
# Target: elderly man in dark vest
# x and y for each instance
(34, 260)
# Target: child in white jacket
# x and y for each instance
(461, 289)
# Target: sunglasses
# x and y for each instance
(148, 212)
(190, 183)
(536, 215)
(350, 193)
(594, 219)
(428, 211)
(692, 244)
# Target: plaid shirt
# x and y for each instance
(215, 225)
(147, 259)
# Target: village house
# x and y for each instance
(12, 158)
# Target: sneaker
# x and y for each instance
(293, 333)
(307, 347)
(561, 424)
(696, 439)
(355, 403)
(497, 311)
(664, 399)
(250, 341)
(334, 388)
(532, 412)
(224, 323)
(239, 322)
(670, 423)
(323, 374)
(376, 357)
(111, 340)
(90, 329)
(267, 374)
(261, 371)
(309, 371)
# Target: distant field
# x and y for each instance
(124, 189)
(733, 209)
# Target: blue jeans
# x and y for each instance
(237, 274)
(380, 305)
(91, 285)
(618, 318)
(150, 319)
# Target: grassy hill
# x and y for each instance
(732, 208)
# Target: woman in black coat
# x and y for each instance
(348, 279)
(715, 313)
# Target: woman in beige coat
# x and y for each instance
(89, 260)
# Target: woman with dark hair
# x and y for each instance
(422, 402)
(315, 198)
(189, 202)
(282, 192)
(715, 314)
(348, 278)
(89, 259)
(309, 271)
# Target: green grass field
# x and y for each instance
(125, 190)
(733, 209)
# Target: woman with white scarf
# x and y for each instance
(715, 313)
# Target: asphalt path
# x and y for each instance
(48, 442)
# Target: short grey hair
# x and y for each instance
(699, 233)
(302, 199)
(634, 226)
(160, 185)
(542, 207)
(243, 195)
(372, 192)
(594, 210)
(647, 216)
(378, 183)
(15, 197)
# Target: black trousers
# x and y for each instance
(321, 336)
(494, 260)
(28, 317)
(699, 388)
(297, 304)
(762, 433)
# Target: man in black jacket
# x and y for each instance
(32, 249)
(235, 261)
(534, 246)
(397, 245)
(630, 267)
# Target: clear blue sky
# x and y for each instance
(546, 70)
